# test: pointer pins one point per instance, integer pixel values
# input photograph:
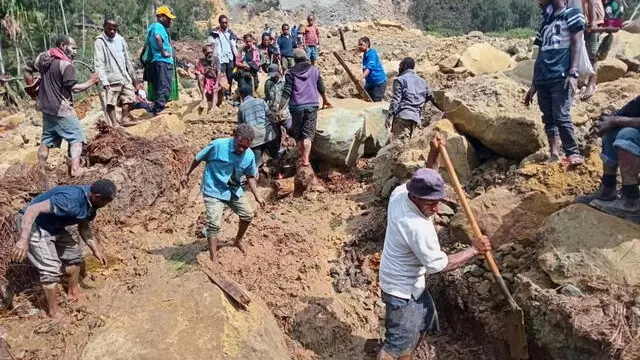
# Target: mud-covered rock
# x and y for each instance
(625, 44)
(193, 319)
(483, 58)
(522, 72)
(344, 132)
(489, 108)
(584, 246)
(611, 69)
(463, 155)
(500, 214)
(166, 124)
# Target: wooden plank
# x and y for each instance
(230, 287)
(355, 81)
(344, 46)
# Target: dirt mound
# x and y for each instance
(17, 187)
(147, 174)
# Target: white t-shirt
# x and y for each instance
(411, 248)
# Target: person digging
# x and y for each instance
(227, 160)
(411, 251)
(47, 243)
(620, 133)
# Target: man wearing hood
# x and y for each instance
(303, 83)
(57, 85)
(113, 63)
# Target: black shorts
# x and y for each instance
(376, 92)
(303, 122)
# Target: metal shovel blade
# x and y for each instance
(516, 335)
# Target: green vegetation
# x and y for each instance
(519, 33)
(29, 27)
(511, 18)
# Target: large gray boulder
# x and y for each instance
(489, 108)
(352, 128)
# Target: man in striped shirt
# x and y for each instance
(555, 76)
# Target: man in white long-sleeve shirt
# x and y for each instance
(114, 66)
(411, 251)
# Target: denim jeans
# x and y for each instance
(627, 139)
(555, 101)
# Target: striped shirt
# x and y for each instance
(554, 39)
(254, 112)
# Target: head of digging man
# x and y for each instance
(67, 45)
(242, 138)
(110, 27)
(426, 190)
(102, 192)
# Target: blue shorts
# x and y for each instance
(406, 321)
(312, 52)
(627, 139)
(56, 128)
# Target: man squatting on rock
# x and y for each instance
(411, 251)
(46, 241)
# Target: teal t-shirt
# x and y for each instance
(157, 29)
(224, 169)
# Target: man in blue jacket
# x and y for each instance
(374, 77)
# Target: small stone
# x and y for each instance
(570, 290)
(510, 261)
(474, 270)
(635, 310)
(637, 300)
(484, 287)
(505, 248)
(488, 276)
(508, 276)
(444, 209)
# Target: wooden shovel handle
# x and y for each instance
(467, 208)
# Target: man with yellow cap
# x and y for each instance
(158, 58)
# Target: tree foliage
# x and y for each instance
(487, 16)
(41, 21)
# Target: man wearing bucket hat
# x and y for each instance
(411, 251)
(158, 54)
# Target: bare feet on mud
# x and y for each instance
(76, 295)
(242, 246)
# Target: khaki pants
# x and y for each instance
(402, 129)
(215, 207)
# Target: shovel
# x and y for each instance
(514, 325)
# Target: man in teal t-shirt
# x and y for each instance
(227, 161)
(160, 54)
(373, 74)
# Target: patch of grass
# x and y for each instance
(182, 261)
(519, 33)
(440, 33)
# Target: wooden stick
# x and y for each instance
(365, 96)
(474, 225)
(230, 287)
(344, 47)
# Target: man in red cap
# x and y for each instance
(411, 250)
